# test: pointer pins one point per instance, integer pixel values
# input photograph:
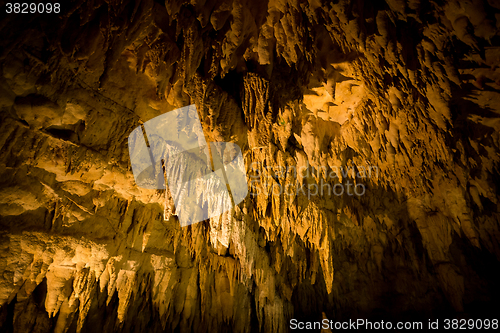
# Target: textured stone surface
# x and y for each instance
(408, 89)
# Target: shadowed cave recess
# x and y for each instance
(397, 98)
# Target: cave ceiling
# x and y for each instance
(369, 140)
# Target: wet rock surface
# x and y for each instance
(399, 97)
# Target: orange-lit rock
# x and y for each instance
(401, 98)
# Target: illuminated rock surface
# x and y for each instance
(407, 91)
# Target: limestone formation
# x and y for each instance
(400, 99)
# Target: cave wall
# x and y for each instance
(406, 90)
